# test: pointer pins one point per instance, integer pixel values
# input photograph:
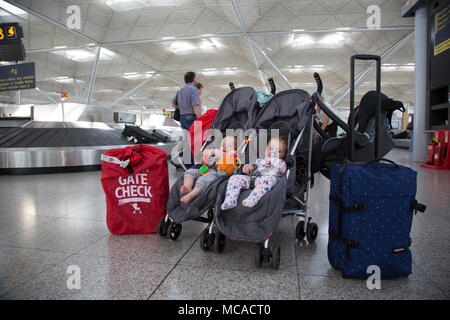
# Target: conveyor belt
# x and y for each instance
(56, 147)
(59, 137)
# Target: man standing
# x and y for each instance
(187, 100)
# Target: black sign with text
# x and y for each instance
(17, 77)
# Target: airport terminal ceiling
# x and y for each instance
(147, 45)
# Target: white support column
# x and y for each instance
(93, 76)
(274, 67)
(61, 49)
(368, 72)
(126, 94)
(421, 48)
(45, 95)
(244, 32)
(82, 35)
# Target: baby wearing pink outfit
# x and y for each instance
(269, 170)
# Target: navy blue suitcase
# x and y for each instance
(371, 206)
(371, 212)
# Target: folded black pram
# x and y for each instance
(141, 136)
(291, 112)
(237, 110)
(330, 151)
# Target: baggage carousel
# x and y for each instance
(46, 147)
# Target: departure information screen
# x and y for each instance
(11, 47)
(8, 32)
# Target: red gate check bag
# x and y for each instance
(136, 184)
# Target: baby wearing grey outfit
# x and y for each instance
(202, 181)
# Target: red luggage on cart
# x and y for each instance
(136, 184)
(206, 121)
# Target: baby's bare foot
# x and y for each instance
(184, 189)
(186, 199)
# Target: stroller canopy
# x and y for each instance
(289, 106)
(237, 110)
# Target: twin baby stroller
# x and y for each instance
(291, 112)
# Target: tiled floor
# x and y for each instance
(50, 222)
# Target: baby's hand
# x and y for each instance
(248, 168)
(207, 155)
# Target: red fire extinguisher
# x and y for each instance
(438, 154)
(431, 151)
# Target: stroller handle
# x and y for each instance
(319, 82)
(273, 88)
(318, 98)
(330, 113)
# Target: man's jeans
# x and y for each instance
(187, 120)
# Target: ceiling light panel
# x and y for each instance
(8, 9)
(330, 41)
(186, 47)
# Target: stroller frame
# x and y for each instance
(264, 252)
(171, 226)
(167, 225)
(308, 229)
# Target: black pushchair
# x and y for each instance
(329, 151)
(237, 111)
(291, 112)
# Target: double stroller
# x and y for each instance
(291, 114)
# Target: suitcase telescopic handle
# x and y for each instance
(378, 132)
(379, 160)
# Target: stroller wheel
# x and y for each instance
(299, 230)
(174, 230)
(258, 256)
(163, 226)
(205, 242)
(219, 242)
(311, 232)
(276, 257)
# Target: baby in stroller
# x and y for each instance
(269, 171)
(201, 180)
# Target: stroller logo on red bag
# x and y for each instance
(136, 208)
(134, 189)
